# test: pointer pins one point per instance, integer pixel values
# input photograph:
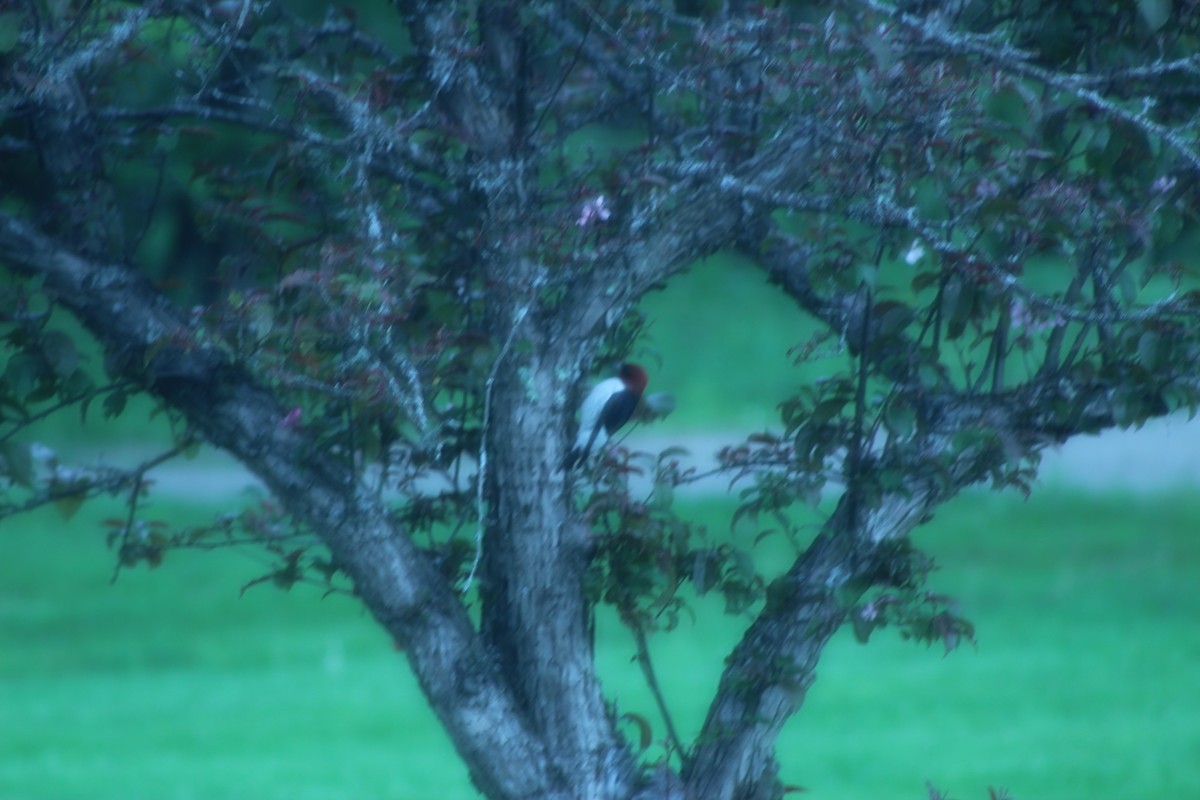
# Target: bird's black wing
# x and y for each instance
(618, 410)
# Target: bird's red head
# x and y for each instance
(634, 377)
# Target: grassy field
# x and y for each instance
(167, 684)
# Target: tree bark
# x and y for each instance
(771, 669)
(399, 584)
(536, 552)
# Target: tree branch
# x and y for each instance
(772, 668)
(458, 84)
(785, 260)
(398, 583)
(1017, 62)
(677, 226)
(593, 52)
(403, 164)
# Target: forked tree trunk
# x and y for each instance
(534, 611)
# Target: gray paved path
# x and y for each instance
(1163, 455)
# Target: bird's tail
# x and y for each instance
(579, 453)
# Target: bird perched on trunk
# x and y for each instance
(607, 407)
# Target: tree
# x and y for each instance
(429, 225)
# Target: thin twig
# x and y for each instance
(130, 518)
(106, 481)
(481, 475)
(643, 657)
(854, 472)
(27, 421)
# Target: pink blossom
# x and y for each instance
(593, 211)
(292, 420)
(1022, 316)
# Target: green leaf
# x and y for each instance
(746, 510)
(23, 374)
(168, 140)
(1101, 135)
(764, 535)
(958, 299)
(703, 578)
(884, 55)
(871, 96)
(1127, 409)
(827, 410)
(1127, 286)
(663, 495)
(900, 418)
(1155, 12)
(672, 452)
(60, 353)
(862, 628)
(645, 732)
(17, 461)
(744, 563)
(924, 280)
(893, 317)
(868, 274)
(1001, 206)
(67, 506)
(78, 385)
(1009, 105)
(10, 31)
(1148, 349)
(1168, 225)
(114, 404)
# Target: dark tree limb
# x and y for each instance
(534, 558)
(410, 170)
(785, 260)
(674, 228)
(772, 668)
(144, 334)
(459, 86)
(614, 71)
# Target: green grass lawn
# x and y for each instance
(718, 340)
(167, 684)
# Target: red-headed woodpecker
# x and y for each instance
(608, 406)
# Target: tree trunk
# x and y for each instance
(536, 552)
